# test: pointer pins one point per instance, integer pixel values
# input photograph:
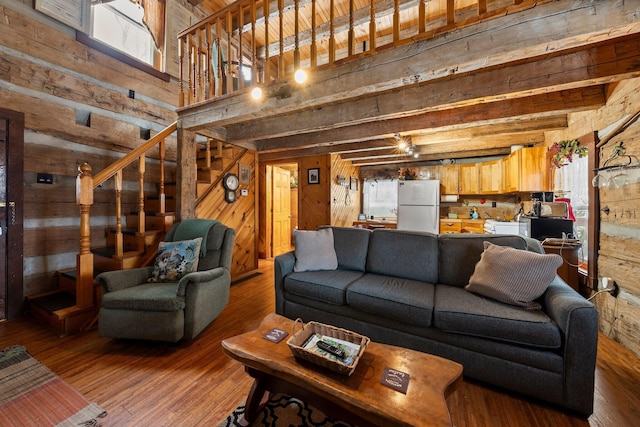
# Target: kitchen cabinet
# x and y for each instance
(510, 172)
(461, 225)
(449, 179)
(450, 226)
(535, 169)
(469, 178)
(472, 226)
(490, 177)
(527, 169)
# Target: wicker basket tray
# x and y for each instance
(298, 339)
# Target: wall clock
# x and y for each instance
(230, 183)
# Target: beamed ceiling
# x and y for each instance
(471, 92)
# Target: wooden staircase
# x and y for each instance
(74, 305)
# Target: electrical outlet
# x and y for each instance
(610, 285)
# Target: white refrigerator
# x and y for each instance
(419, 205)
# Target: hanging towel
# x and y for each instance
(194, 228)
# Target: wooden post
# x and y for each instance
(332, 38)
(267, 72)
(141, 215)
(186, 178)
(314, 49)
(296, 51)
(451, 12)
(181, 42)
(351, 34)
(163, 198)
(84, 259)
(119, 238)
(421, 17)
(396, 21)
(240, 55)
(372, 25)
(281, 39)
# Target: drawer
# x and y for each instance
(472, 227)
(450, 227)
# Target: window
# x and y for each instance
(380, 198)
(119, 23)
(131, 31)
(572, 181)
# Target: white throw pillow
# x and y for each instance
(314, 250)
(513, 276)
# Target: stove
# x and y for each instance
(493, 226)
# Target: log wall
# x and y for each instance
(58, 83)
(619, 249)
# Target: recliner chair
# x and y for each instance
(170, 311)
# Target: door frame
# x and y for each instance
(15, 229)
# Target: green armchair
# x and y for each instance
(170, 311)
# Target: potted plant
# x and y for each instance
(563, 152)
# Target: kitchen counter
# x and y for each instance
(371, 224)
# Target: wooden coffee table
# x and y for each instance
(359, 398)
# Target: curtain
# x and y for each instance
(154, 19)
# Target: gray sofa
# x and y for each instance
(407, 289)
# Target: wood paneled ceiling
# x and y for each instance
(472, 92)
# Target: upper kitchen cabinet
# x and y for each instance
(449, 179)
(526, 170)
(491, 177)
(469, 178)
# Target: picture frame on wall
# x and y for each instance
(313, 176)
(353, 183)
(244, 171)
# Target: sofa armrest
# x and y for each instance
(206, 294)
(578, 320)
(111, 281)
(198, 277)
(283, 265)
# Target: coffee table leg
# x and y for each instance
(255, 400)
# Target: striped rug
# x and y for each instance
(32, 395)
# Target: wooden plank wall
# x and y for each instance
(242, 215)
(346, 202)
(48, 75)
(315, 199)
(619, 251)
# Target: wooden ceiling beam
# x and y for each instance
(503, 111)
(430, 157)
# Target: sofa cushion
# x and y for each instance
(314, 250)
(394, 298)
(403, 254)
(462, 312)
(328, 286)
(176, 259)
(351, 245)
(146, 297)
(513, 276)
(459, 254)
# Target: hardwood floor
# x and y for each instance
(195, 384)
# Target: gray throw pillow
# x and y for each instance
(513, 276)
(314, 250)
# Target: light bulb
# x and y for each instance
(402, 145)
(300, 76)
(256, 92)
(416, 155)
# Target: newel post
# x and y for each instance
(84, 261)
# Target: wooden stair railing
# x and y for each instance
(214, 53)
(85, 186)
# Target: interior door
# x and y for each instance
(11, 213)
(4, 130)
(281, 211)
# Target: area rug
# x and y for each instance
(284, 411)
(32, 395)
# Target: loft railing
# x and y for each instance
(85, 186)
(256, 41)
